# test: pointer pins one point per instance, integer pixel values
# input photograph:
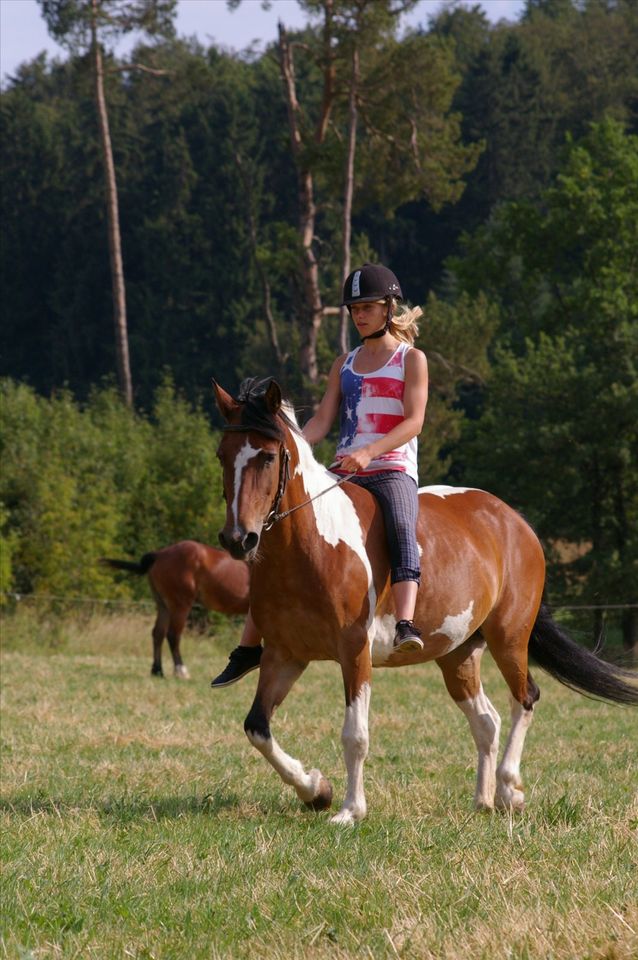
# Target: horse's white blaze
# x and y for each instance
(509, 789)
(334, 512)
(244, 456)
(290, 770)
(354, 737)
(441, 490)
(456, 627)
(381, 638)
(485, 725)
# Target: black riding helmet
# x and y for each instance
(370, 282)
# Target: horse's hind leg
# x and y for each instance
(160, 629)
(508, 647)
(175, 629)
(461, 672)
(277, 674)
(509, 786)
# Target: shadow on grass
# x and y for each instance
(124, 808)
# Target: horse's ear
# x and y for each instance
(273, 397)
(225, 403)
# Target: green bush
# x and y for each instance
(81, 482)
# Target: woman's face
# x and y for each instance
(369, 317)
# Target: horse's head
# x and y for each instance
(254, 461)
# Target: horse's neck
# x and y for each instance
(323, 513)
(314, 475)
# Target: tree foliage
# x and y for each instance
(563, 398)
(524, 258)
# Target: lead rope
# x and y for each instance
(274, 517)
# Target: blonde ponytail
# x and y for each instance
(403, 324)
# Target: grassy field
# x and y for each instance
(138, 822)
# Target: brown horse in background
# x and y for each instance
(179, 575)
(320, 590)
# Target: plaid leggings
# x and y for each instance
(398, 497)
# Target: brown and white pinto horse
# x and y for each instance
(178, 576)
(320, 591)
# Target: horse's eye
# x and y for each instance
(269, 458)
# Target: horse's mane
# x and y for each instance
(255, 414)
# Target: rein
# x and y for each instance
(273, 517)
(284, 475)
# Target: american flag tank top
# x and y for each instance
(371, 405)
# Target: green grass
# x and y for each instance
(138, 822)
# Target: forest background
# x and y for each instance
(493, 167)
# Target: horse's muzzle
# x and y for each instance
(240, 545)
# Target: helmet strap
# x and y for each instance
(384, 329)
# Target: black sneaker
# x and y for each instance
(240, 662)
(407, 637)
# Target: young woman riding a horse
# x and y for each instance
(321, 591)
(380, 389)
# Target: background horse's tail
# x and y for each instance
(553, 650)
(143, 566)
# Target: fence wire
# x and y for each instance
(18, 597)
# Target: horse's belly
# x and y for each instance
(440, 634)
(381, 637)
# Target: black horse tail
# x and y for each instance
(554, 651)
(143, 566)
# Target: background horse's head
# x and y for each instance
(254, 459)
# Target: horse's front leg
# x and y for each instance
(277, 674)
(357, 671)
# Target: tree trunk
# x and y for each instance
(113, 224)
(344, 316)
(629, 617)
(596, 539)
(313, 307)
(261, 273)
(629, 625)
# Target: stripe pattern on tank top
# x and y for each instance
(371, 405)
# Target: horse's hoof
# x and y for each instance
(347, 817)
(157, 672)
(181, 672)
(323, 799)
(510, 800)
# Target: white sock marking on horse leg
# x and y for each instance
(485, 725)
(509, 788)
(290, 770)
(355, 741)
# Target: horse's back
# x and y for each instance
(474, 517)
(478, 556)
(189, 569)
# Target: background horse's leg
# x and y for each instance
(461, 672)
(176, 626)
(354, 735)
(277, 674)
(160, 629)
(508, 645)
